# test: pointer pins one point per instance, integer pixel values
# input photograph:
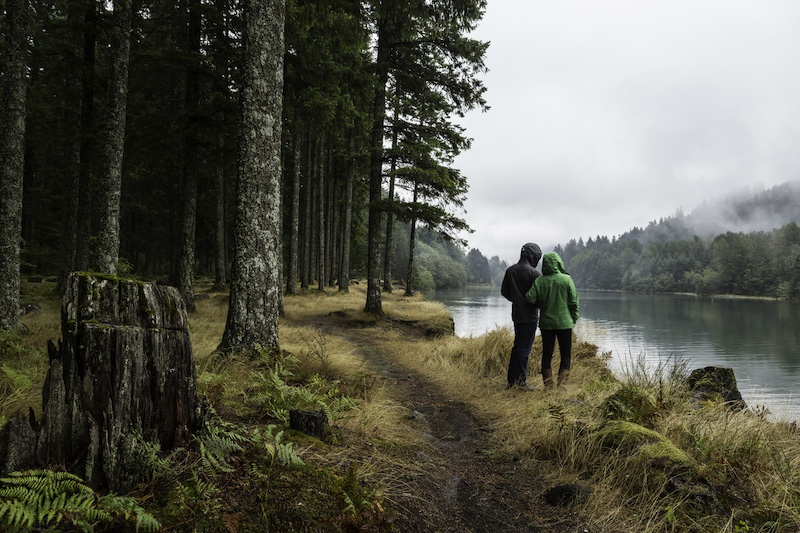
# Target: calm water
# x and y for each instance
(759, 339)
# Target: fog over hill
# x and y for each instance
(742, 211)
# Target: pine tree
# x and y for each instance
(106, 252)
(255, 283)
(12, 140)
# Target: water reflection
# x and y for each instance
(757, 338)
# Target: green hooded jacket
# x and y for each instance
(555, 294)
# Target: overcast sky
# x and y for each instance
(607, 114)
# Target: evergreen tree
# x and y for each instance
(423, 51)
(183, 277)
(478, 266)
(107, 236)
(255, 282)
(12, 140)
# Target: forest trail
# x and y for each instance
(461, 482)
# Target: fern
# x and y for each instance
(217, 444)
(277, 397)
(277, 451)
(43, 498)
(198, 499)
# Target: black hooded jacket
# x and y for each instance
(518, 279)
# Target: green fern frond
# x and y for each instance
(217, 444)
(277, 451)
(45, 499)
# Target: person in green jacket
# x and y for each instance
(555, 294)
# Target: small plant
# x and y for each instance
(318, 348)
(217, 444)
(277, 451)
(36, 499)
(278, 397)
(199, 500)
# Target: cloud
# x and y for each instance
(606, 115)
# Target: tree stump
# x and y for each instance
(121, 381)
(313, 423)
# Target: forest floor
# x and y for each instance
(462, 481)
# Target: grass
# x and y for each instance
(653, 460)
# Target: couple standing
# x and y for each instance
(552, 292)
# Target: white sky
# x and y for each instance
(607, 114)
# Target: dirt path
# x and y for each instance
(461, 484)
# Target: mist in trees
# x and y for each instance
(683, 254)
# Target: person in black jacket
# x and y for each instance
(525, 315)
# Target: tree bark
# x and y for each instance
(186, 255)
(220, 249)
(255, 285)
(12, 149)
(122, 378)
(373, 304)
(294, 225)
(347, 222)
(84, 220)
(388, 249)
(106, 253)
(412, 240)
(320, 205)
(73, 100)
(305, 275)
(220, 263)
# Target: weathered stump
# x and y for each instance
(121, 380)
(313, 423)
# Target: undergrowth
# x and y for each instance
(654, 460)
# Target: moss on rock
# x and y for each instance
(631, 404)
(636, 440)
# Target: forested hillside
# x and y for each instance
(745, 244)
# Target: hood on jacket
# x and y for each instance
(531, 253)
(553, 264)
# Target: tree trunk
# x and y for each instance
(220, 264)
(388, 249)
(320, 205)
(347, 222)
(255, 285)
(84, 229)
(331, 220)
(122, 378)
(294, 225)
(305, 276)
(12, 147)
(106, 253)
(220, 258)
(73, 100)
(412, 239)
(373, 304)
(186, 254)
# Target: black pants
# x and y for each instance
(549, 337)
(518, 364)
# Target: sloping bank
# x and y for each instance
(676, 449)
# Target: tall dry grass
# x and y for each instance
(733, 471)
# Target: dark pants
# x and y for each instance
(549, 337)
(523, 341)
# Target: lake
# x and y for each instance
(759, 339)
